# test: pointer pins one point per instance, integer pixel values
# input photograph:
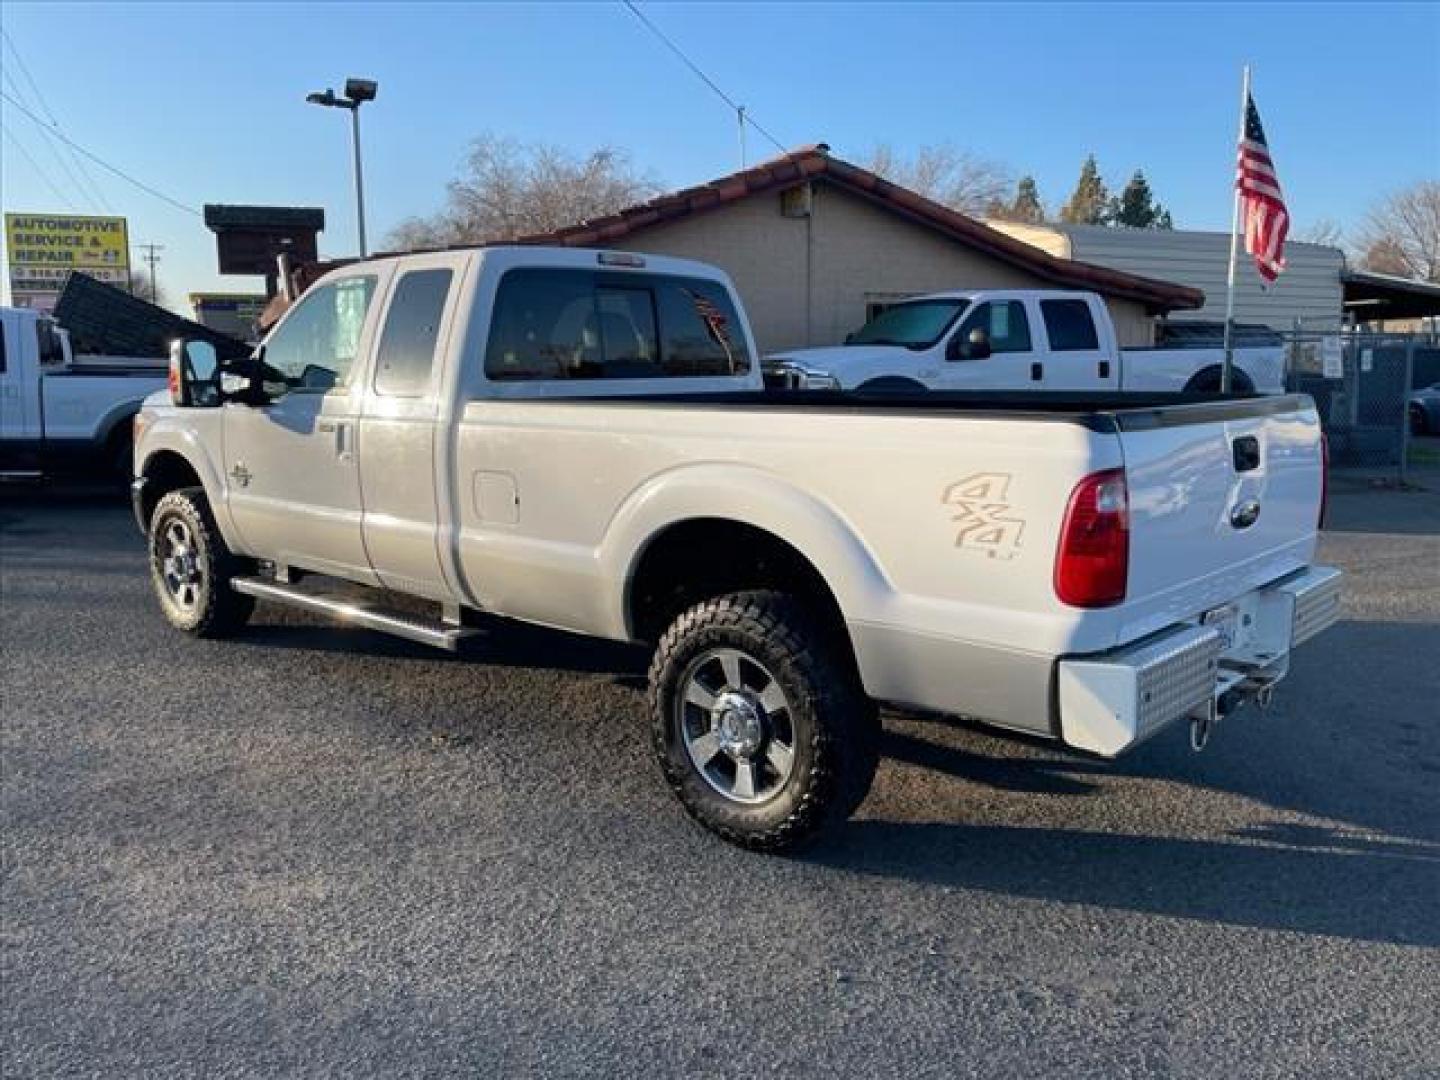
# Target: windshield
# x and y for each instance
(915, 324)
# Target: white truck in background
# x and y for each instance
(581, 439)
(997, 339)
(63, 414)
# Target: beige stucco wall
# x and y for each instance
(1133, 325)
(761, 250)
(854, 250)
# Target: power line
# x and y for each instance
(102, 162)
(89, 188)
(741, 113)
(15, 139)
(55, 151)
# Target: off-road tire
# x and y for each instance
(217, 609)
(836, 730)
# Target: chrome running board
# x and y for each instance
(357, 612)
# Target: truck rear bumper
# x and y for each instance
(1111, 701)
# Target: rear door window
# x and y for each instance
(412, 329)
(580, 324)
(1069, 325)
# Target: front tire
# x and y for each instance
(191, 568)
(759, 722)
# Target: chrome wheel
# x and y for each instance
(182, 566)
(734, 719)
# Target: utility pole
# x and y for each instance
(152, 257)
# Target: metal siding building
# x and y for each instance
(1310, 290)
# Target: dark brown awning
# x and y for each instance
(1370, 297)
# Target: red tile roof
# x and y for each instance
(816, 163)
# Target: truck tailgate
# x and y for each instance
(1224, 497)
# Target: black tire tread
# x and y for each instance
(845, 738)
(225, 611)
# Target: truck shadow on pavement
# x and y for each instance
(1386, 895)
(1354, 741)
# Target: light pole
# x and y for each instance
(357, 92)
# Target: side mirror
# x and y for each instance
(194, 374)
(250, 381)
(973, 346)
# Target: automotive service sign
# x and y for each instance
(44, 248)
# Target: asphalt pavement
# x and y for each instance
(316, 852)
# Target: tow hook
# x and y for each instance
(1202, 726)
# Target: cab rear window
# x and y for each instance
(584, 324)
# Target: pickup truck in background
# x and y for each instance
(64, 414)
(1015, 340)
(581, 439)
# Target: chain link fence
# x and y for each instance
(1362, 385)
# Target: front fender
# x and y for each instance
(169, 433)
(750, 496)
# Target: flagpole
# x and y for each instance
(1228, 365)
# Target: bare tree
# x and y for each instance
(1322, 231)
(510, 189)
(953, 177)
(1401, 234)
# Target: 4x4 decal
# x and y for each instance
(982, 515)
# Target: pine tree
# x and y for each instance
(1090, 203)
(1136, 207)
(1027, 206)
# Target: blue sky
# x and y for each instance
(206, 101)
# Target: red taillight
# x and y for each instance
(1324, 479)
(1093, 559)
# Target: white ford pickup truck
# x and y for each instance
(1035, 339)
(65, 414)
(581, 439)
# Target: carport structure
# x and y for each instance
(1377, 299)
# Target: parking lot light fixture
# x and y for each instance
(357, 92)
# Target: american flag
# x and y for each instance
(1266, 219)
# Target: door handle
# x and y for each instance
(1037, 371)
(1104, 369)
(1245, 452)
(341, 430)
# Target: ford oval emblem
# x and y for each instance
(1244, 515)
